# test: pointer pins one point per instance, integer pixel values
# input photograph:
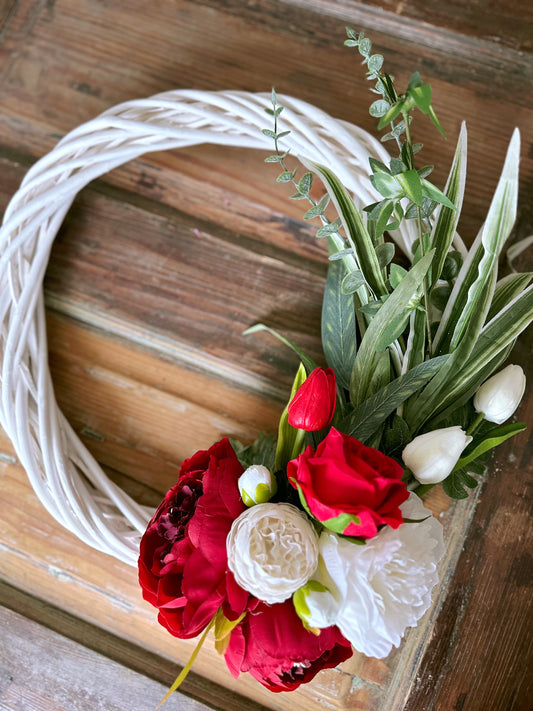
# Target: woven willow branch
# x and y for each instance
(64, 475)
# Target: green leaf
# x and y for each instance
(454, 484)
(394, 111)
(506, 290)
(411, 185)
(380, 373)
(290, 439)
(340, 523)
(304, 186)
(339, 338)
(393, 310)
(489, 440)
(459, 377)
(286, 176)
(433, 193)
(262, 451)
(268, 132)
(436, 121)
(422, 97)
(478, 268)
(308, 362)
(396, 436)
(440, 295)
(352, 282)
(379, 108)
(396, 274)
(370, 413)
(375, 62)
(387, 185)
(355, 229)
(329, 228)
(385, 253)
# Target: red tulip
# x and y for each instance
(313, 406)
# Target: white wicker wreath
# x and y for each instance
(64, 475)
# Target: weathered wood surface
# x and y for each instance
(164, 262)
(41, 670)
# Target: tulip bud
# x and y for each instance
(257, 485)
(432, 456)
(313, 406)
(499, 396)
(315, 606)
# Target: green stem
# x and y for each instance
(476, 422)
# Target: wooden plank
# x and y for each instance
(481, 655)
(41, 670)
(59, 80)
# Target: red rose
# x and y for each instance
(352, 489)
(183, 561)
(273, 646)
(313, 406)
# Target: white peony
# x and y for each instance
(384, 586)
(272, 551)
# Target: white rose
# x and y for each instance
(500, 395)
(257, 485)
(433, 455)
(385, 586)
(272, 551)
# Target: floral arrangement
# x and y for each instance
(298, 548)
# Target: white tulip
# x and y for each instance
(499, 396)
(272, 551)
(432, 456)
(257, 485)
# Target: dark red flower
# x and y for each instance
(183, 561)
(273, 646)
(313, 406)
(351, 488)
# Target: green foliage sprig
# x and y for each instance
(411, 346)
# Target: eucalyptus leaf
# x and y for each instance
(385, 253)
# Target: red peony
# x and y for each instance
(313, 406)
(273, 646)
(183, 561)
(351, 488)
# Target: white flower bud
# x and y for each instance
(272, 551)
(432, 456)
(257, 485)
(499, 396)
(315, 605)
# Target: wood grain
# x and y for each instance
(41, 670)
(162, 263)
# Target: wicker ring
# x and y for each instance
(65, 476)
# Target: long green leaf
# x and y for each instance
(457, 378)
(446, 219)
(506, 290)
(492, 438)
(308, 362)
(339, 338)
(355, 228)
(370, 414)
(398, 305)
(477, 269)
